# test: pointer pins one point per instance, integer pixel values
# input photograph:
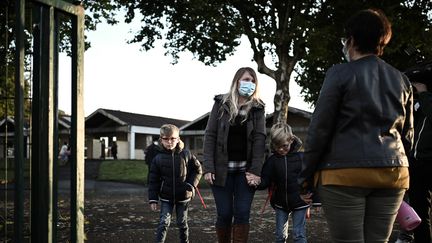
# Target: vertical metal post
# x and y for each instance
(19, 121)
(55, 144)
(43, 130)
(44, 120)
(77, 128)
(36, 121)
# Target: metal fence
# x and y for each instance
(34, 141)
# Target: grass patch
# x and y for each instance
(131, 171)
(7, 166)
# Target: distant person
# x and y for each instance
(174, 175)
(359, 136)
(279, 175)
(102, 149)
(234, 145)
(149, 153)
(64, 153)
(114, 150)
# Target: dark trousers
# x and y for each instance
(420, 197)
(234, 200)
(360, 215)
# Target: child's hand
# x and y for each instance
(153, 207)
(307, 198)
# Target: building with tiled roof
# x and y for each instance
(132, 132)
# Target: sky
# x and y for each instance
(118, 76)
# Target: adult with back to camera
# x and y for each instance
(359, 136)
(234, 144)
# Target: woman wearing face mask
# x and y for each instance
(234, 145)
(359, 136)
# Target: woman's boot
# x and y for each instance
(224, 234)
(240, 233)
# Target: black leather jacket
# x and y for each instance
(363, 118)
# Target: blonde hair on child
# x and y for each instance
(280, 133)
(168, 130)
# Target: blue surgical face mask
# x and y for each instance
(246, 88)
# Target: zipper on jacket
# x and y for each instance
(174, 182)
(418, 139)
(286, 181)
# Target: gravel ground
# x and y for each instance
(129, 219)
(124, 216)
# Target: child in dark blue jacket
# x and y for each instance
(279, 174)
(174, 175)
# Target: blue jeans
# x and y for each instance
(299, 225)
(165, 220)
(234, 200)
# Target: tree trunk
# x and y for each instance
(282, 95)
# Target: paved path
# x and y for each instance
(95, 187)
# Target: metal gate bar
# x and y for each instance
(19, 123)
(44, 121)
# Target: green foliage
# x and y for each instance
(410, 24)
(284, 35)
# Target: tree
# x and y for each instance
(285, 36)
(7, 65)
(411, 29)
(99, 10)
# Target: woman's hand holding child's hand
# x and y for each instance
(252, 179)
